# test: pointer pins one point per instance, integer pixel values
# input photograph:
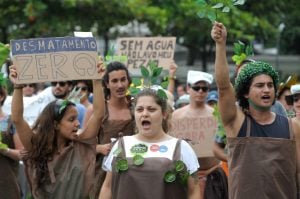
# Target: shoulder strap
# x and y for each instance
(177, 150)
(248, 126)
(291, 130)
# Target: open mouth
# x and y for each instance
(146, 124)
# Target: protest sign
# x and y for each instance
(141, 50)
(199, 132)
(54, 59)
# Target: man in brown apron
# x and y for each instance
(261, 145)
(118, 119)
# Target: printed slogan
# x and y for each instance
(198, 132)
(53, 59)
(141, 50)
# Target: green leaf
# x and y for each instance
(211, 16)
(239, 2)
(218, 5)
(133, 91)
(201, 2)
(165, 84)
(145, 72)
(138, 160)
(184, 178)
(249, 50)
(153, 80)
(157, 72)
(4, 53)
(201, 14)
(122, 165)
(162, 94)
(226, 9)
(136, 81)
(152, 65)
(179, 166)
(170, 176)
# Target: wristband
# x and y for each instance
(18, 86)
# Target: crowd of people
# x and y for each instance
(236, 141)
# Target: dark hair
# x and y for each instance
(159, 100)
(44, 139)
(245, 79)
(113, 66)
(3, 93)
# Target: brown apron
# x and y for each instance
(110, 129)
(9, 187)
(262, 167)
(147, 181)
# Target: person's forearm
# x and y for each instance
(98, 101)
(11, 153)
(17, 106)
(221, 66)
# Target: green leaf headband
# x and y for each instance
(253, 69)
(60, 106)
(150, 76)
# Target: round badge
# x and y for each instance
(154, 147)
(163, 148)
(139, 148)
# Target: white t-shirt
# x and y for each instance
(163, 149)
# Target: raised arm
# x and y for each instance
(93, 124)
(227, 105)
(172, 72)
(22, 127)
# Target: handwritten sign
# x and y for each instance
(53, 59)
(198, 132)
(141, 50)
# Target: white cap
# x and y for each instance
(295, 89)
(197, 76)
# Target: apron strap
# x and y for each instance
(177, 151)
(248, 126)
(291, 129)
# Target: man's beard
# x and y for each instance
(61, 96)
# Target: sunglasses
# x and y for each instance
(29, 85)
(296, 98)
(197, 88)
(62, 84)
(83, 88)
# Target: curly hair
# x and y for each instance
(246, 76)
(113, 66)
(44, 139)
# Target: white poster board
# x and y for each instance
(141, 50)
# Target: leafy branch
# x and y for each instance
(241, 52)
(210, 10)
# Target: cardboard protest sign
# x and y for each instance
(55, 59)
(199, 132)
(141, 50)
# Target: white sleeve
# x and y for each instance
(107, 160)
(189, 157)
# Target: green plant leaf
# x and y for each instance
(4, 53)
(226, 9)
(138, 160)
(136, 81)
(165, 84)
(122, 165)
(157, 71)
(161, 93)
(152, 65)
(249, 50)
(201, 2)
(170, 176)
(239, 2)
(201, 14)
(211, 15)
(133, 91)
(218, 5)
(145, 72)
